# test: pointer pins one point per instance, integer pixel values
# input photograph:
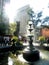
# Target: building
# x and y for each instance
(45, 31)
(23, 17)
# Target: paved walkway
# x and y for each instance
(44, 58)
(44, 55)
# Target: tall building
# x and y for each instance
(23, 17)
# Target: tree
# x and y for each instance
(12, 28)
(4, 21)
(35, 18)
(4, 24)
(17, 29)
(46, 19)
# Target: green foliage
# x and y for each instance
(15, 39)
(4, 22)
(42, 40)
(3, 27)
(12, 28)
(17, 29)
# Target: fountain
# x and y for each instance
(31, 54)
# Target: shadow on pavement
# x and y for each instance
(40, 62)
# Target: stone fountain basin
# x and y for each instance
(31, 56)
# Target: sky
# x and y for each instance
(37, 5)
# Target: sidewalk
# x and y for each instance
(44, 57)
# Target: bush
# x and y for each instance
(42, 39)
(16, 40)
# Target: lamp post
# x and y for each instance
(31, 54)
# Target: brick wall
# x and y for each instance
(45, 32)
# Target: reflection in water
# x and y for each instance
(10, 61)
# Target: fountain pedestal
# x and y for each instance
(31, 54)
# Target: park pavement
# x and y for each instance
(44, 56)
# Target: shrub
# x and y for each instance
(42, 39)
(14, 38)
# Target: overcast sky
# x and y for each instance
(37, 5)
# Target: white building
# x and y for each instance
(23, 17)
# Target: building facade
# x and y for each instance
(23, 17)
(45, 31)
